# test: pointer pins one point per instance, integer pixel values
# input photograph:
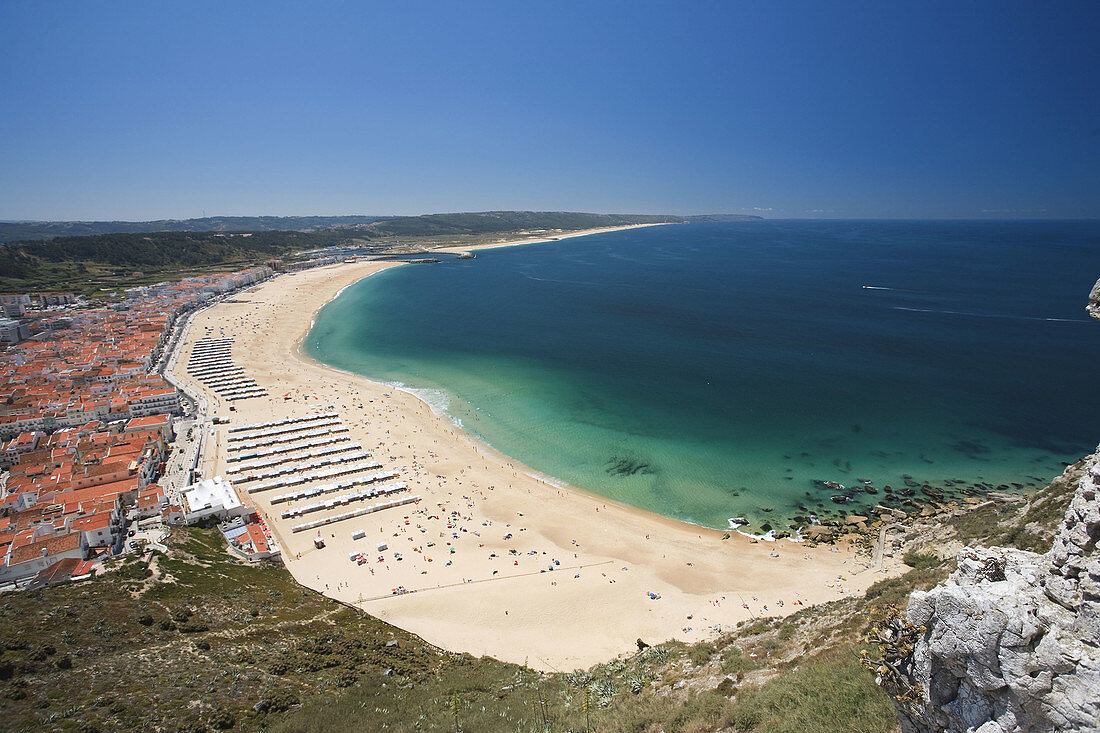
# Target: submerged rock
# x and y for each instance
(932, 493)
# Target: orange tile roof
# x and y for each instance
(149, 420)
(91, 523)
(256, 535)
(53, 545)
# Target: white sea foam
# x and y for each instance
(547, 479)
(437, 400)
(768, 536)
(736, 522)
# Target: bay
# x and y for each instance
(718, 370)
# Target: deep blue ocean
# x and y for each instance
(718, 370)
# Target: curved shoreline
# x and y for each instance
(477, 441)
(499, 562)
(480, 444)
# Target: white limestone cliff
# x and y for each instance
(1093, 307)
(1012, 638)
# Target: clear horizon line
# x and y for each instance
(560, 211)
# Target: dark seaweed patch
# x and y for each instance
(970, 448)
(619, 466)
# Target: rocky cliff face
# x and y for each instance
(1011, 640)
(1094, 301)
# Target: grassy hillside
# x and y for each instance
(192, 641)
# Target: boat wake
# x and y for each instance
(567, 282)
(1001, 316)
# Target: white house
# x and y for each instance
(212, 498)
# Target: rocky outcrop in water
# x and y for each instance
(1011, 641)
(1093, 307)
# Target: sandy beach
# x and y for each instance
(544, 238)
(495, 560)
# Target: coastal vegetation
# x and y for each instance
(197, 640)
(89, 264)
(192, 640)
(28, 230)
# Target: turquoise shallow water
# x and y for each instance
(710, 371)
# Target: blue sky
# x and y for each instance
(787, 109)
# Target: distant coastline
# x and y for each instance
(505, 222)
